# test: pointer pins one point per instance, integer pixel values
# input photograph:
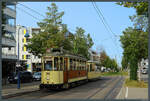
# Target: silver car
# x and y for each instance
(37, 76)
(144, 71)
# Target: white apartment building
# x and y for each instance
(33, 63)
(9, 56)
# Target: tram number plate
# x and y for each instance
(47, 76)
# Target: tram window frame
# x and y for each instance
(45, 62)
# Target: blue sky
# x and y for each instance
(83, 14)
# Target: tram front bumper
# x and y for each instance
(50, 86)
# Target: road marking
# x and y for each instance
(118, 96)
(126, 93)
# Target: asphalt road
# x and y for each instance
(104, 88)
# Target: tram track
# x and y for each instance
(102, 88)
(111, 92)
(91, 90)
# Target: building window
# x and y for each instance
(22, 56)
(27, 39)
(28, 56)
(11, 7)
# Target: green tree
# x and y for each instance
(107, 62)
(141, 7)
(52, 34)
(135, 45)
(124, 63)
(103, 56)
(81, 42)
(135, 40)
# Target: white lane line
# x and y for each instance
(118, 96)
(126, 93)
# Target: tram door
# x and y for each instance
(65, 70)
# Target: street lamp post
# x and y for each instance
(18, 82)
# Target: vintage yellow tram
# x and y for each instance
(61, 69)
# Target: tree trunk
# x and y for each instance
(133, 68)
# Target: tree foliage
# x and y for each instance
(107, 62)
(82, 43)
(52, 34)
(135, 40)
(135, 45)
(141, 7)
(124, 63)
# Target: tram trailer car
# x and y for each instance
(93, 71)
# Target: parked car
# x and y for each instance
(37, 76)
(24, 77)
(144, 71)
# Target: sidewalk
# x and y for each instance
(11, 89)
(133, 93)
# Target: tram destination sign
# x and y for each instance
(48, 58)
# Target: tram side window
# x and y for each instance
(65, 64)
(83, 65)
(56, 64)
(61, 63)
(48, 65)
(90, 67)
(74, 64)
(71, 64)
(80, 65)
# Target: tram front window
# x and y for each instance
(48, 65)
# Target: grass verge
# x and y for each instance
(115, 73)
(135, 83)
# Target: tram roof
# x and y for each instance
(65, 55)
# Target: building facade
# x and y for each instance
(9, 56)
(23, 34)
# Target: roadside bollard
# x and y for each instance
(18, 81)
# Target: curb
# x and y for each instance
(18, 94)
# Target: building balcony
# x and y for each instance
(11, 3)
(9, 28)
(10, 12)
(9, 56)
(6, 42)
